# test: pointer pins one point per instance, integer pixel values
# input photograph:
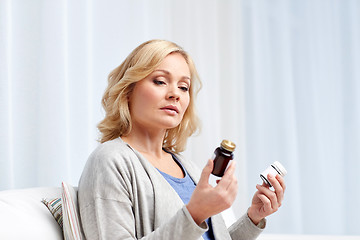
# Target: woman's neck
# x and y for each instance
(150, 143)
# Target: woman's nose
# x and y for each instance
(173, 94)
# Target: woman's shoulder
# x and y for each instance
(111, 152)
(108, 166)
(112, 147)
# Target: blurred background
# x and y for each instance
(280, 78)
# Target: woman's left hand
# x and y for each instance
(266, 201)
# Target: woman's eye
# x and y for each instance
(185, 89)
(158, 82)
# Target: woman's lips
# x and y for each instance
(172, 110)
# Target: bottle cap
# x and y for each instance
(228, 145)
(280, 168)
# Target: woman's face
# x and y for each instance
(160, 100)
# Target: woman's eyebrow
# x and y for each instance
(164, 71)
(168, 73)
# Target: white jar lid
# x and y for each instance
(280, 167)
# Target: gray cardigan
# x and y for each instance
(122, 196)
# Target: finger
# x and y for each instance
(226, 180)
(230, 169)
(233, 187)
(264, 184)
(270, 195)
(205, 174)
(281, 181)
(277, 187)
(266, 203)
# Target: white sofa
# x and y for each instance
(24, 216)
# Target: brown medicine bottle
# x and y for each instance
(222, 156)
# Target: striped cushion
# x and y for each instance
(54, 205)
(72, 228)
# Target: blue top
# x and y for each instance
(184, 188)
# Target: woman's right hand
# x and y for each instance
(207, 200)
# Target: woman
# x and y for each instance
(135, 185)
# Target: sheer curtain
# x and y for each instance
(302, 108)
(280, 79)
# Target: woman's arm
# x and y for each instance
(207, 201)
(115, 220)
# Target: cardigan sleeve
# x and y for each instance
(113, 220)
(245, 229)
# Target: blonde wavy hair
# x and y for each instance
(141, 62)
